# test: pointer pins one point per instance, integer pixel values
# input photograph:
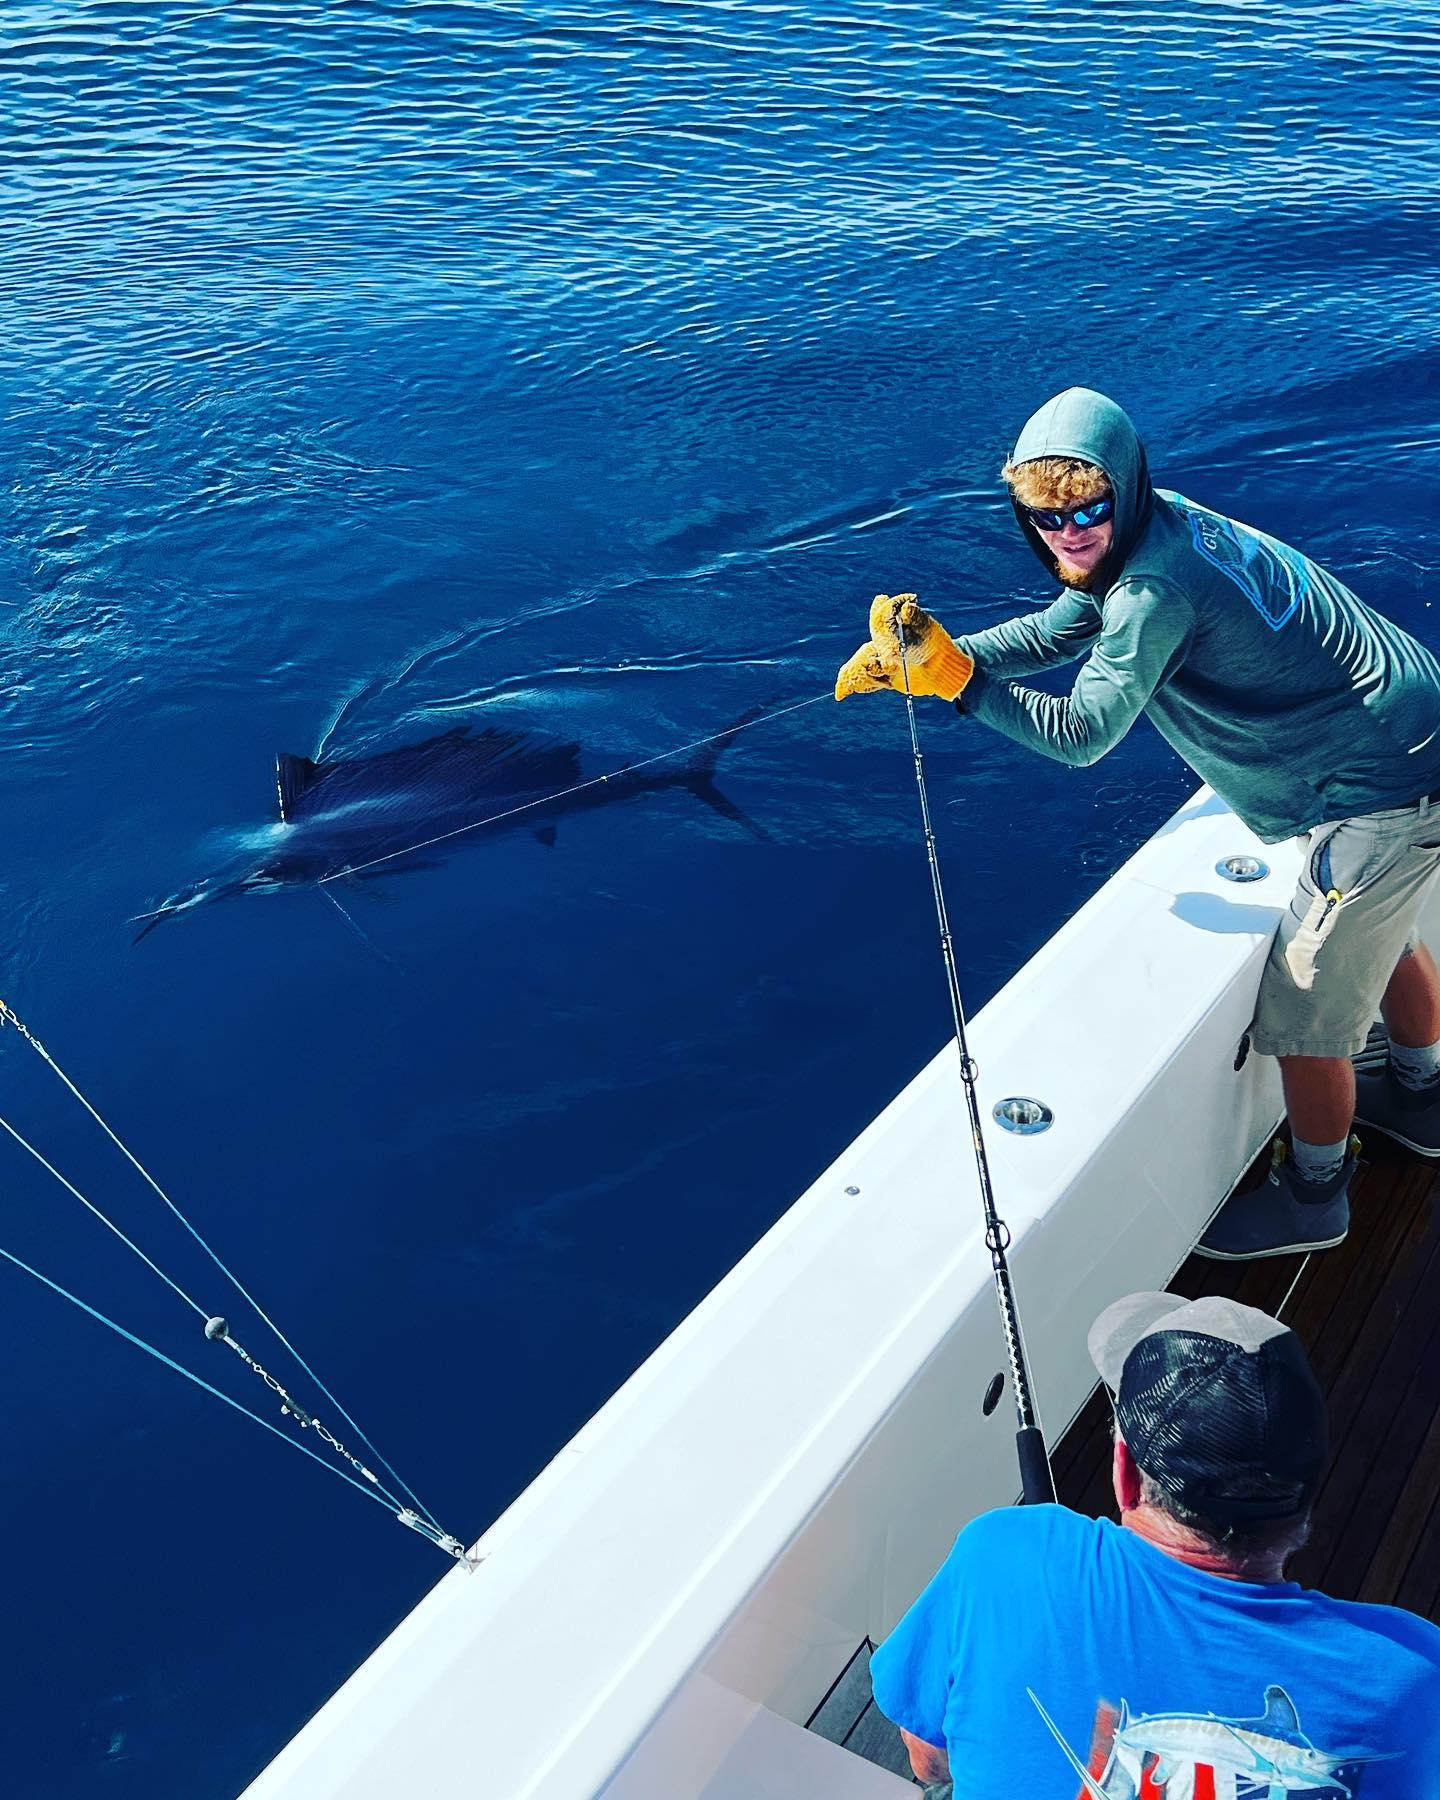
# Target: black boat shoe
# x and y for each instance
(1284, 1215)
(1409, 1115)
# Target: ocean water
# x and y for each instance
(371, 369)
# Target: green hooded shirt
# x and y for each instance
(1280, 688)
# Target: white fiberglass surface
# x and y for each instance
(778, 1480)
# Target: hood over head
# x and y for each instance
(1091, 427)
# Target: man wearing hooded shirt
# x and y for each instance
(1307, 712)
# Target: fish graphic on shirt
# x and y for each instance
(1269, 1755)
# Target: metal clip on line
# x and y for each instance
(218, 1332)
(1037, 1482)
(451, 1546)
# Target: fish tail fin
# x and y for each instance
(703, 787)
(712, 752)
(700, 778)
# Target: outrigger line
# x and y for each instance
(417, 1518)
(1037, 1482)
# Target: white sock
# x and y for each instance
(1318, 1162)
(1415, 1068)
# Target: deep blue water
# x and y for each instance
(369, 369)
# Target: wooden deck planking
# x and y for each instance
(1413, 1510)
(1369, 1315)
(1376, 1435)
(1419, 1587)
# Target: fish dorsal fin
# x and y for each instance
(293, 775)
(497, 745)
(1281, 1719)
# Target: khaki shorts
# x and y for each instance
(1333, 959)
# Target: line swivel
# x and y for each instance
(218, 1332)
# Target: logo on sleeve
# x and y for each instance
(1272, 577)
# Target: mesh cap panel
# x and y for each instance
(1231, 1432)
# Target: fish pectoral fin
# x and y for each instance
(293, 776)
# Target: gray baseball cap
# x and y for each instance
(1216, 1401)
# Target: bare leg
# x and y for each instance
(1411, 1006)
(1319, 1096)
(1320, 1090)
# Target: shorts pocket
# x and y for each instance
(1347, 857)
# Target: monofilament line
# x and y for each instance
(388, 1501)
(1289, 1292)
(512, 812)
(109, 1224)
(9, 1016)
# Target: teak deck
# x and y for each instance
(1369, 1314)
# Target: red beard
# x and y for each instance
(1073, 577)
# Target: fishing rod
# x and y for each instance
(1037, 1482)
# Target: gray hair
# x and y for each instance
(1248, 1538)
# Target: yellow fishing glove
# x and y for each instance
(933, 660)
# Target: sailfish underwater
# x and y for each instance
(346, 816)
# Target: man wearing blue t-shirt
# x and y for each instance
(1061, 1657)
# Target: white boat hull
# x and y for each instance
(780, 1478)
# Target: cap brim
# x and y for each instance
(1120, 1328)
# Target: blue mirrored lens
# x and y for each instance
(1096, 513)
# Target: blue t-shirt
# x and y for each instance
(1061, 1657)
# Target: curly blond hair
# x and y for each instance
(1055, 481)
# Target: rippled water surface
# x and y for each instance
(373, 369)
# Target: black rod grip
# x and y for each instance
(1037, 1484)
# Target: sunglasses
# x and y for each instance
(1094, 512)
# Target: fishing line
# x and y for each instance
(109, 1224)
(346, 917)
(565, 793)
(1304, 1265)
(10, 1017)
(217, 1330)
(1037, 1481)
(366, 940)
(381, 1496)
(288, 1403)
